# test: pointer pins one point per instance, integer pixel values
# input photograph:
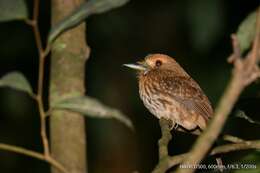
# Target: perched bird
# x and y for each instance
(167, 91)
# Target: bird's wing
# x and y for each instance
(188, 93)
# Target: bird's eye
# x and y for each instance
(158, 63)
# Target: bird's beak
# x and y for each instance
(142, 66)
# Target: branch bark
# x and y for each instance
(165, 139)
(171, 161)
(69, 54)
(244, 73)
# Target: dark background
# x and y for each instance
(195, 33)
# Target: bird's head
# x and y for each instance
(155, 62)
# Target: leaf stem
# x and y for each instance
(33, 154)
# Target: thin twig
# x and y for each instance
(43, 128)
(171, 161)
(245, 72)
(36, 9)
(255, 144)
(233, 139)
(33, 154)
(42, 55)
(21, 150)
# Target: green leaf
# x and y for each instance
(80, 14)
(13, 10)
(17, 81)
(93, 108)
(246, 31)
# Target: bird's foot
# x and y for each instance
(172, 125)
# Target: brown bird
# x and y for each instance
(167, 91)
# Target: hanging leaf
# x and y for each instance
(17, 81)
(13, 10)
(93, 108)
(246, 31)
(86, 9)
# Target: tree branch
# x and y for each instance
(171, 161)
(232, 139)
(69, 55)
(165, 139)
(244, 73)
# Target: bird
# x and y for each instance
(169, 92)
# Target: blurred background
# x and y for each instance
(195, 33)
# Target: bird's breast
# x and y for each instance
(155, 100)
